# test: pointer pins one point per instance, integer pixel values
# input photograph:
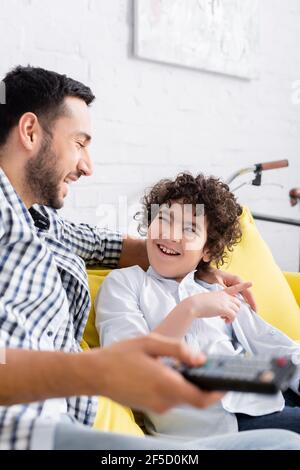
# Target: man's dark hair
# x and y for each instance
(39, 91)
(221, 210)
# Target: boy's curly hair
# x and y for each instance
(220, 205)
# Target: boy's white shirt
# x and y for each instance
(133, 302)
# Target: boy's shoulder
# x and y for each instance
(133, 274)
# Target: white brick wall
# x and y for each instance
(151, 121)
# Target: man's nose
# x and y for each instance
(85, 167)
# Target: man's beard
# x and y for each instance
(42, 178)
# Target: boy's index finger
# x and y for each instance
(234, 290)
(247, 294)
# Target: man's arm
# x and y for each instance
(134, 252)
(127, 372)
(95, 245)
(29, 376)
(99, 246)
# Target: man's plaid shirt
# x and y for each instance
(44, 300)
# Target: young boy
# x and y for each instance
(171, 299)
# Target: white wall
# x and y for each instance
(151, 121)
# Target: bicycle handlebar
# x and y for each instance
(258, 168)
(272, 165)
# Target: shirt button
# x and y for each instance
(49, 333)
(272, 332)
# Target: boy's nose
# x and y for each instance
(176, 233)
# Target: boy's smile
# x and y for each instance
(167, 250)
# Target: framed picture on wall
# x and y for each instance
(216, 35)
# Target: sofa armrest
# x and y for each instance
(294, 282)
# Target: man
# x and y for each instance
(44, 138)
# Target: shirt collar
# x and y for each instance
(188, 278)
(40, 220)
(13, 199)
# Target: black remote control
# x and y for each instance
(241, 373)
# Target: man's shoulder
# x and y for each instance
(4, 204)
(3, 210)
(8, 217)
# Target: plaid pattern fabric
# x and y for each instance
(44, 298)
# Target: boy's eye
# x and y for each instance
(190, 229)
(80, 145)
(163, 218)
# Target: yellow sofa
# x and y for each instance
(277, 295)
(111, 416)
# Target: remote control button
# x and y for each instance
(281, 361)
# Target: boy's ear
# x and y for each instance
(206, 255)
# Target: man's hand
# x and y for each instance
(216, 276)
(131, 373)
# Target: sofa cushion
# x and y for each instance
(253, 261)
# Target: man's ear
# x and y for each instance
(29, 131)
